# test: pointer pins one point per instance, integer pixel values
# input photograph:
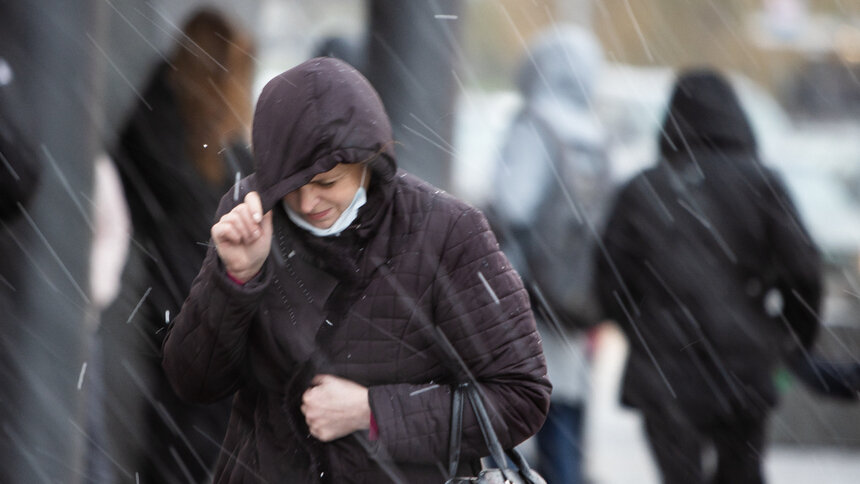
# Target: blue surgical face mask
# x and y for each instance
(343, 221)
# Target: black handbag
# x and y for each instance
(504, 474)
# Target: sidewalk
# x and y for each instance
(617, 452)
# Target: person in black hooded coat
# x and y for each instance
(710, 273)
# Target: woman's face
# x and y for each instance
(321, 201)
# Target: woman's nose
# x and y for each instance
(307, 198)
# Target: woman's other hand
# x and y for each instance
(243, 238)
(335, 407)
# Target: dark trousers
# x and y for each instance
(560, 444)
(678, 445)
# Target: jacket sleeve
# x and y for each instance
(618, 265)
(204, 353)
(797, 263)
(482, 310)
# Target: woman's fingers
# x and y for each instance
(255, 205)
(225, 231)
(230, 229)
(242, 238)
(334, 407)
(242, 224)
(320, 379)
(245, 223)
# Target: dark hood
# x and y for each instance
(312, 117)
(704, 113)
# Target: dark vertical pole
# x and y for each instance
(411, 62)
(50, 46)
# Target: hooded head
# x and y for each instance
(312, 117)
(562, 66)
(704, 113)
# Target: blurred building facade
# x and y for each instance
(789, 46)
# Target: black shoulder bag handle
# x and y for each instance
(522, 474)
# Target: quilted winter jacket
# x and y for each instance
(376, 305)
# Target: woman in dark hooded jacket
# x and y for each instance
(713, 278)
(328, 302)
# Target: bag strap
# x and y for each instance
(490, 438)
(456, 432)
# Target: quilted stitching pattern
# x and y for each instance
(446, 270)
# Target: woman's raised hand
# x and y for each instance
(243, 238)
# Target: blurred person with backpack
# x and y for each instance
(550, 195)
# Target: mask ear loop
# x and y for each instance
(363, 175)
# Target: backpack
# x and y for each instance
(554, 252)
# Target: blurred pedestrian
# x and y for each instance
(321, 306)
(551, 191)
(182, 147)
(712, 276)
(108, 252)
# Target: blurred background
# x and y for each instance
(70, 73)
